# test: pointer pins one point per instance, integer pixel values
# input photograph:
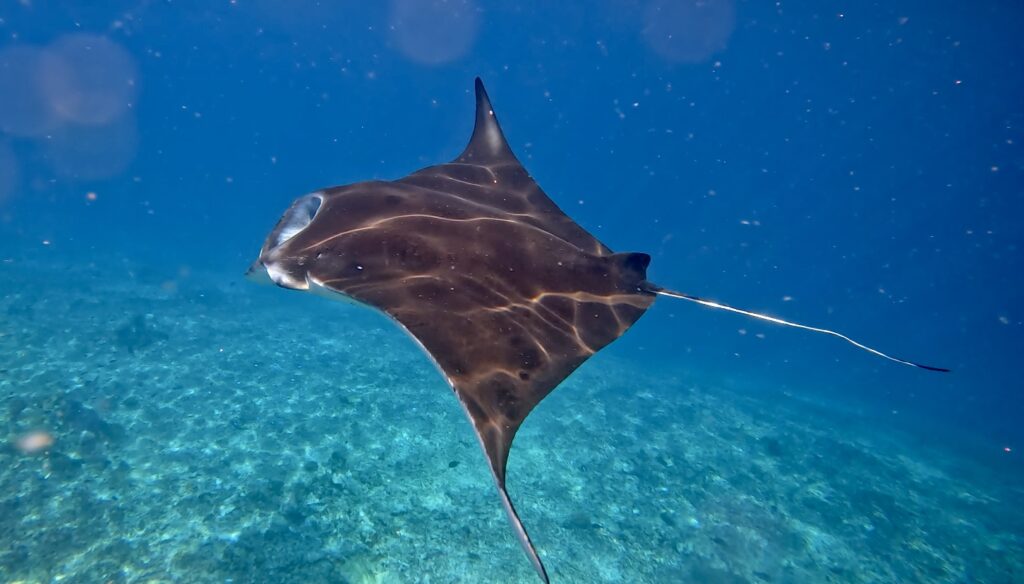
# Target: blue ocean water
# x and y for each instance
(856, 166)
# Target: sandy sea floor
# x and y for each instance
(211, 431)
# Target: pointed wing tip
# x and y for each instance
(481, 93)
(487, 142)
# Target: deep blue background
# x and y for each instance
(862, 159)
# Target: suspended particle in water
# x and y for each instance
(34, 442)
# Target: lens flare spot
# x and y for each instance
(433, 32)
(93, 152)
(8, 171)
(88, 79)
(689, 31)
(24, 110)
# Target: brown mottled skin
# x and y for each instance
(504, 291)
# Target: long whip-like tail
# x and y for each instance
(709, 303)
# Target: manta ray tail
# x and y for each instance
(522, 536)
(673, 294)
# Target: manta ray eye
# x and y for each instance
(297, 217)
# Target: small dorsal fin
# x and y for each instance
(488, 142)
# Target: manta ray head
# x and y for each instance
(281, 260)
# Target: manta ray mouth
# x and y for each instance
(296, 218)
(269, 268)
(272, 273)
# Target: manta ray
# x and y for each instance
(504, 292)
